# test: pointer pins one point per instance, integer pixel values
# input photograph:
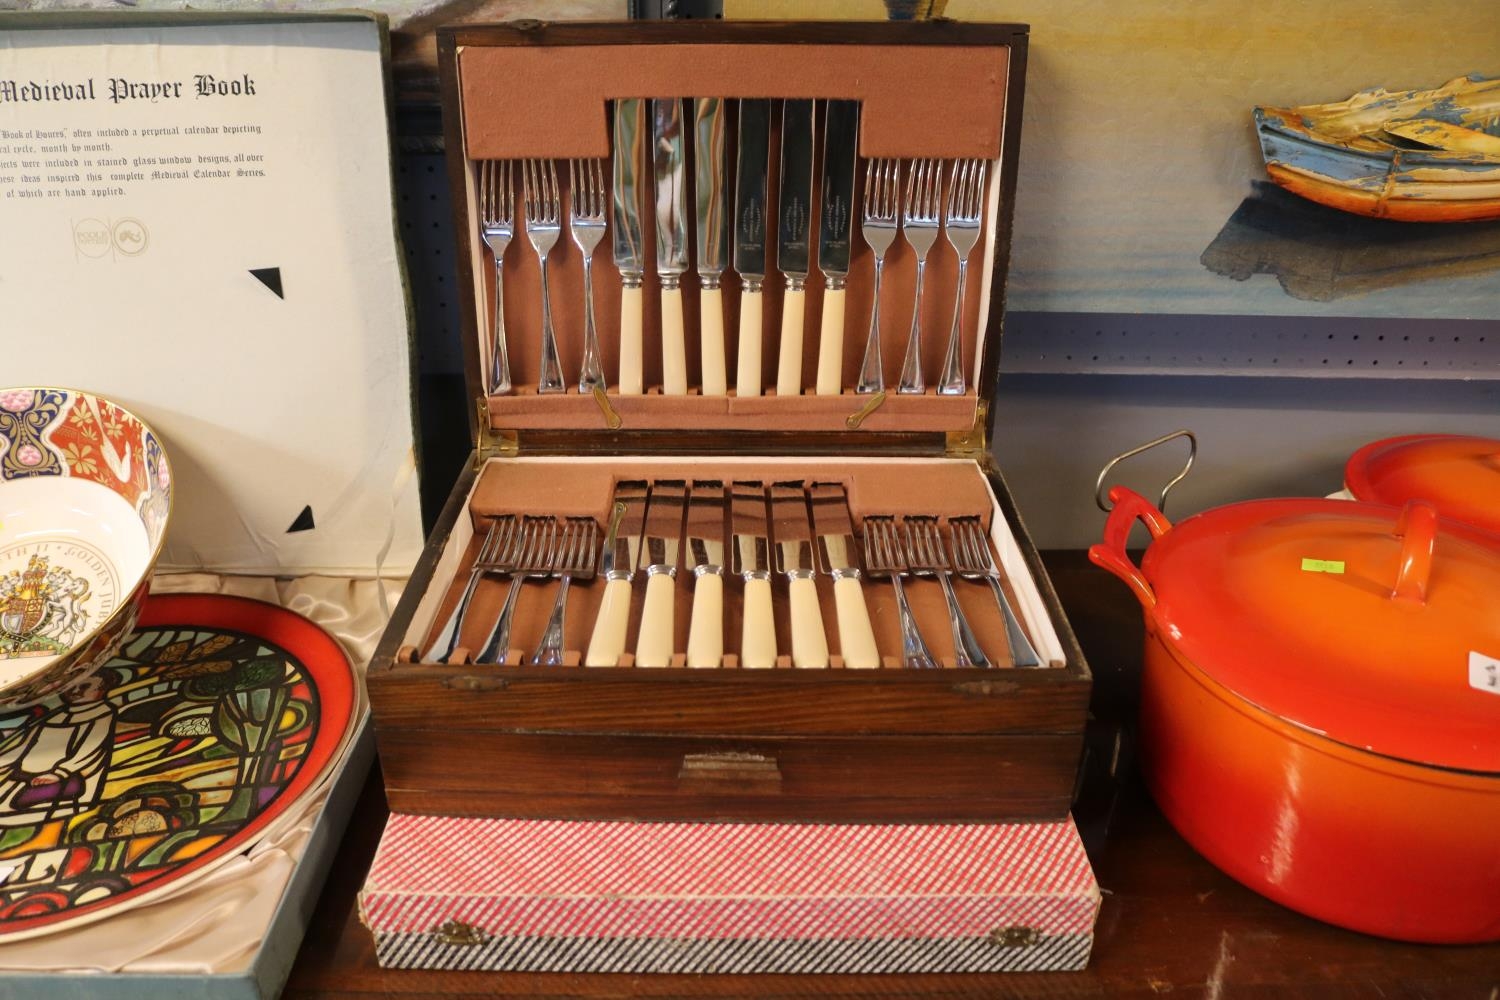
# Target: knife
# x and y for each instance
(794, 560)
(621, 547)
(658, 559)
(747, 518)
(750, 236)
(835, 214)
(709, 136)
(705, 544)
(626, 231)
(671, 237)
(793, 238)
(839, 556)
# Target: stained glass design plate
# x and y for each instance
(215, 717)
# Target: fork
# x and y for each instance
(884, 550)
(530, 556)
(497, 213)
(576, 557)
(543, 226)
(882, 202)
(961, 223)
(919, 224)
(586, 223)
(493, 552)
(972, 559)
(926, 557)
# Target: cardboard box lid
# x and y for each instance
(253, 311)
(743, 881)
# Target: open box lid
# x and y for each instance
(199, 223)
(548, 90)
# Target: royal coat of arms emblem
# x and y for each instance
(42, 609)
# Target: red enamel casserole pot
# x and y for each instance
(1320, 709)
(1458, 475)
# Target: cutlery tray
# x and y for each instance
(729, 743)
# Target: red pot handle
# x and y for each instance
(1111, 554)
(1417, 530)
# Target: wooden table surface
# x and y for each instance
(1171, 924)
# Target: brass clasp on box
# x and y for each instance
(1015, 936)
(853, 420)
(459, 934)
(612, 418)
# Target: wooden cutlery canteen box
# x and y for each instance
(667, 588)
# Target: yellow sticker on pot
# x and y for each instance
(1322, 566)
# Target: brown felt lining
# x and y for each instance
(523, 323)
(919, 100)
(586, 489)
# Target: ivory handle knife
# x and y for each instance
(835, 225)
(794, 560)
(747, 377)
(706, 629)
(793, 238)
(839, 559)
(750, 238)
(632, 307)
(654, 646)
(705, 554)
(758, 645)
(856, 635)
(831, 344)
(626, 239)
(608, 641)
(789, 370)
(673, 343)
(748, 515)
(710, 137)
(658, 560)
(711, 348)
(617, 566)
(671, 237)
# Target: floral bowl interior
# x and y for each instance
(85, 495)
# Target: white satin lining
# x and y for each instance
(215, 923)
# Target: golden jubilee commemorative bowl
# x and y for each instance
(85, 496)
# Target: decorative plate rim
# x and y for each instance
(295, 634)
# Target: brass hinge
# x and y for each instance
(972, 443)
(489, 442)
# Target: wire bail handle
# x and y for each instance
(1100, 494)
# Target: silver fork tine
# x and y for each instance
(965, 211)
(496, 537)
(529, 556)
(586, 223)
(884, 557)
(929, 559)
(543, 226)
(576, 552)
(497, 226)
(882, 187)
(919, 224)
(971, 554)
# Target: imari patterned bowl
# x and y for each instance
(85, 496)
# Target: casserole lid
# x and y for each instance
(1460, 475)
(1375, 626)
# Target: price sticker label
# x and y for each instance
(1484, 672)
(1335, 566)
